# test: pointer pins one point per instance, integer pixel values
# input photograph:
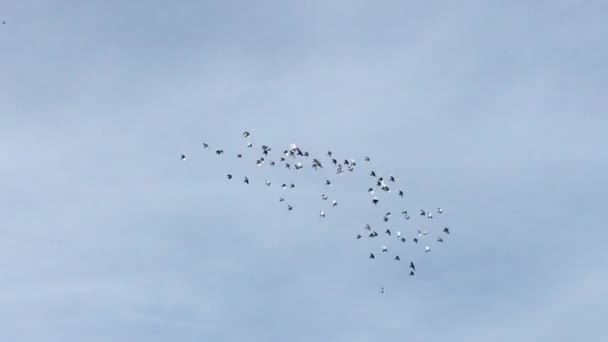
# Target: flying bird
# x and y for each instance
(371, 256)
(246, 180)
(373, 174)
(292, 186)
(316, 163)
(205, 145)
(439, 211)
(392, 179)
(382, 290)
(229, 176)
(415, 240)
(397, 258)
(218, 152)
(334, 203)
(427, 249)
(289, 207)
(327, 182)
(246, 134)
(322, 213)
(440, 239)
(281, 199)
(388, 231)
(401, 193)
(368, 227)
(375, 200)
(267, 183)
(411, 273)
(358, 236)
(403, 240)
(446, 230)
(384, 249)
(183, 157)
(239, 156)
(323, 197)
(366, 159)
(412, 266)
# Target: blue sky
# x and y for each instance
(492, 110)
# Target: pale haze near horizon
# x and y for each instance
(492, 110)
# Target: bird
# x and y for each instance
(397, 258)
(388, 214)
(239, 156)
(368, 227)
(385, 219)
(289, 207)
(334, 203)
(183, 157)
(375, 200)
(370, 190)
(324, 197)
(229, 176)
(427, 249)
(271, 163)
(430, 216)
(439, 239)
(439, 211)
(322, 213)
(367, 159)
(249, 145)
(388, 231)
(218, 152)
(284, 186)
(288, 166)
(401, 193)
(403, 212)
(373, 174)
(205, 145)
(412, 273)
(422, 212)
(392, 179)
(384, 249)
(334, 161)
(446, 230)
(358, 236)
(292, 186)
(412, 266)
(329, 153)
(267, 183)
(246, 134)
(415, 240)
(371, 256)
(316, 163)
(281, 199)
(327, 182)
(382, 290)
(246, 180)
(403, 240)
(258, 162)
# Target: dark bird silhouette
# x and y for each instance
(368, 227)
(412, 266)
(284, 186)
(422, 212)
(183, 157)
(371, 256)
(323, 197)
(239, 156)
(439, 239)
(229, 176)
(403, 239)
(446, 230)
(415, 240)
(388, 231)
(271, 163)
(249, 145)
(385, 219)
(412, 273)
(246, 134)
(281, 199)
(329, 153)
(397, 258)
(334, 203)
(218, 152)
(373, 174)
(246, 180)
(358, 236)
(375, 200)
(401, 193)
(205, 145)
(289, 207)
(292, 185)
(316, 163)
(335, 162)
(366, 159)
(392, 179)
(327, 182)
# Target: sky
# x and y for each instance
(492, 110)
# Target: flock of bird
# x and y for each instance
(294, 158)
